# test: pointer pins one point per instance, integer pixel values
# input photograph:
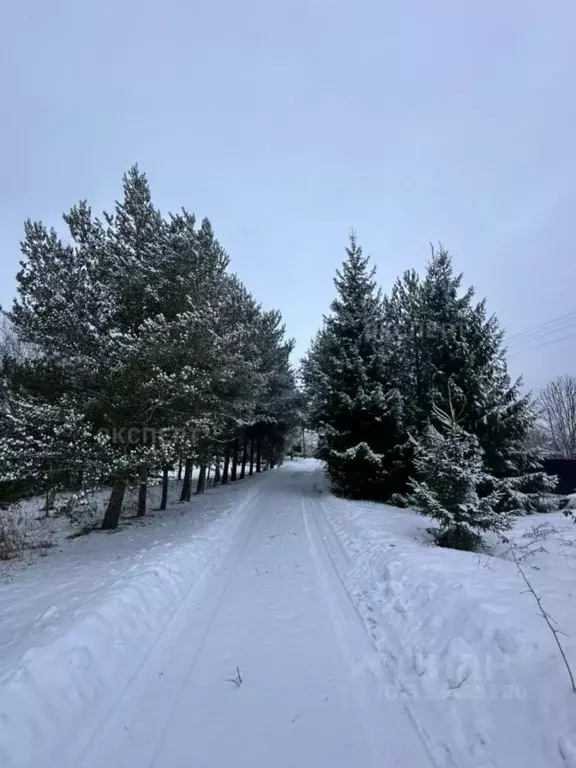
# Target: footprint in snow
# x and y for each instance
(505, 641)
(49, 613)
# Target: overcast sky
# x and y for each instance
(286, 123)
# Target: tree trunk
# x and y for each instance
(49, 501)
(226, 465)
(235, 453)
(252, 446)
(187, 484)
(217, 471)
(142, 493)
(258, 456)
(417, 370)
(244, 457)
(180, 470)
(164, 499)
(201, 479)
(114, 508)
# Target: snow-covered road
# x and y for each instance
(275, 608)
(357, 642)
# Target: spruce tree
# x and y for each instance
(380, 370)
(449, 468)
(350, 399)
(448, 353)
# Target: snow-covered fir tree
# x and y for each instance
(351, 401)
(448, 352)
(379, 370)
(449, 466)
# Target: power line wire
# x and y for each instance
(519, 343)
(541, 326)
(540, 346)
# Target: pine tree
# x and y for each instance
(277, 401)
(46, 445)
(152, 342)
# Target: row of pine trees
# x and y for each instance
(138, 351)
(412, 399)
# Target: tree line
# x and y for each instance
(414, 404)
(133, 350)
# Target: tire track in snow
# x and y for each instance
(265, 616)
(237, 558)
(169, 635)
(275, 604)
(364, 663)
(438, 748)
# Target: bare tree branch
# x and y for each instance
(557, 403)
(545, 615)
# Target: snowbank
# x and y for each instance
(88, 615)
(569, 502)
(464, 642)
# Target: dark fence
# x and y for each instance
(566, 471)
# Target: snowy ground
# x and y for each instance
(37, 532)
(357, 643)
(462, 641)
(85, 616)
